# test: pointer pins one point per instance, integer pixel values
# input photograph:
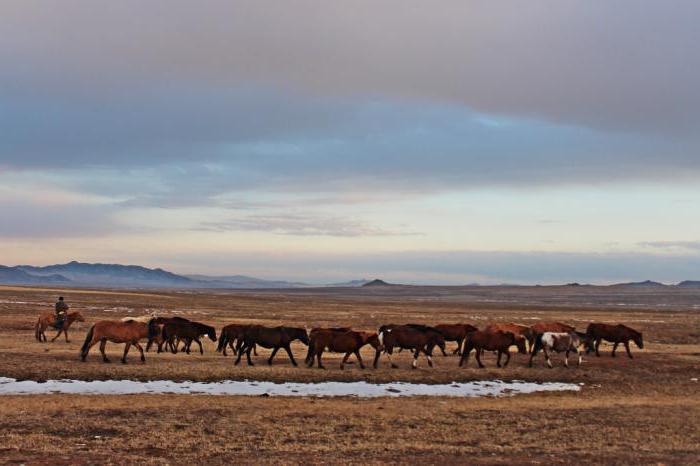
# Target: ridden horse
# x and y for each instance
(615, 334)
(455, 332)
(229, 335)
(158, 338)
(348, 342)
(491, 341)
(130, 333)
(188, 332)
(315, 330)
(559, 342)
(270, 337)
(540, 327)
(417, 338)
(49, 320)
(516, 329)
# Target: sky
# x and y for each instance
(474, 141)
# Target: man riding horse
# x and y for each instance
(61, 312)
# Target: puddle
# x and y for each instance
(259, 388)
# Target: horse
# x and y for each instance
(559, 342)
(315, 330)
(144, 318)
(456, 333)
(130, 333)
(541, 327)
(270, 337)
(49, 320)
(229, 335)
(348, 342)
(158, 338)
(188, 332)
(491, 341)
(615, 334)
(418, 338)
(516, 329)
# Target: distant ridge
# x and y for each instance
(689, 284)
(15, 276)
(644, 284)
(376, 282)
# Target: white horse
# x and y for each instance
(144, 318)
(559, 343)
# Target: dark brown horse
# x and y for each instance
(270, 337)
(187, 332)
(158, 338)
(49, 320)
(490, 341)
(456, 333)
(229, 336)
(615, 334)
(130, 333)
(348, 342)
(310, 352)
(540, 327)
(414, 337)
(516, 329)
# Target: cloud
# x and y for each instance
(665, 245)
(299, 225)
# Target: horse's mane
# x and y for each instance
(424, 328)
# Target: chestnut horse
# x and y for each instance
(348, 342)
(516, 329)
(540, 327)
(270, 337)
(188, 332)
(49, 320)
(116, 331)
(417, 338)
(615, 334)
(310, 352)
(456, 333)
(491, 341)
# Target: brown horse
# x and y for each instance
(188, 332)
(158, 337)
(49, 320)
(540, 327)
(456, 333)
(130, 333)
(270, 337)
(348, 342)
(615, 334)
(516, 329)
(229, 335)
(417, 338)
(310, 352)
(490, 341)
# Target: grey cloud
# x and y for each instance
(626, 65)
(299, 225)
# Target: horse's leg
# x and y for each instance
(627, 347)
(547, 358)
(597, 345)
(429, 357)
(319, 353)
(84, 354)
(201, 350)
(103, 343)
(140, 348)
(65, 333)
(57, 335)
(291, 356)
(498, 361)
(248, 349)
(478, 358)
(345, 359)
(614, 349)
(240, 353)
(389, 351)
(416, 353)
(359, 358)
(465, 355)
(566, 358)
(580, 357)
(126, 351)
(274, 352)
(458, 350)
(507, 359)
(255, 349)
(442, 348)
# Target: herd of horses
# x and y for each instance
(168, 333)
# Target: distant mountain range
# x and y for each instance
(134, 276)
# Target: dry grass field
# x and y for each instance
(645, 410)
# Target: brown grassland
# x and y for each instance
(645, 410)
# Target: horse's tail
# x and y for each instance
(538, 344)
(223, 341)
(88, 339)
(310, 352)
(37, 327)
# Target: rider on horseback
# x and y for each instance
(61, 312)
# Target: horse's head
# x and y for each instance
(373, 340)
(298, 334)
(78, 317)
(586, 340)
(211, 333)
(637, 338)
(520, 343)
(153, 328)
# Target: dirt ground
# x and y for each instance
(645, 410)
